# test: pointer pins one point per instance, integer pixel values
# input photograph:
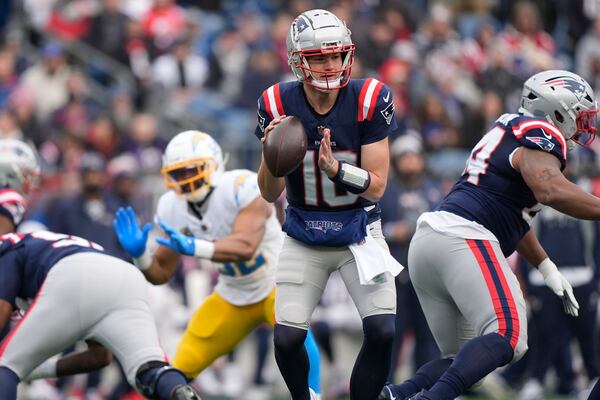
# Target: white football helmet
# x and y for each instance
(565, 100)
(19, 168)
(319, 32)
(192, 165)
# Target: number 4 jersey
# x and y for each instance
(240, 283)
(491, 192)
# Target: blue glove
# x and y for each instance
(132, 238)
(178, 242)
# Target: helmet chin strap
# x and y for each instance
(326, 86)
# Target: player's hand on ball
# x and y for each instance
(271, 126)
(130, 235)
(178, 242)
(327, 162)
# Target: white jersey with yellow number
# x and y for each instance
(240, 283)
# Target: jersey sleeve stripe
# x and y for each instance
(278, 102)
(11, 197)
(361, 99)
(267, 104)
(271, 97)
(366, 104)
(522, 128)
(374, 97)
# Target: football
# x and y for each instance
(285, 146)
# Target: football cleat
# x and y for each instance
(185, 392)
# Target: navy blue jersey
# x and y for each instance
(363, 114)
(490, 191)
(25, 260)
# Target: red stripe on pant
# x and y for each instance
(495, 292)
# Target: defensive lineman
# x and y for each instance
(471, 298)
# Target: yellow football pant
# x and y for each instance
(216, 328)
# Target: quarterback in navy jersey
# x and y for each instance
(470, 297)
(77, 292)
(332, 221)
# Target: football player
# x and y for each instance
(470, 297)
(333, 220)
(76, 291)
(215, 215)
(19, 173)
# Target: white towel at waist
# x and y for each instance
(372, 260)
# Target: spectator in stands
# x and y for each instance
(47, 80)
(8, 76)
(108, 31)
(587, 59)
(181, 72)
(163, 24)
(524, 43)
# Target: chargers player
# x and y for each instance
(332, 199)
(79, 292)
(232, 226)
(470, 297)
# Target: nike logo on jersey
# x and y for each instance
(387, 97)
(548, 136)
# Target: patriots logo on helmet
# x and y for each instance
(542, 142)
(301, 24)
(568, 83)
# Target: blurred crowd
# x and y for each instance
(100, 86)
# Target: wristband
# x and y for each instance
(546, 267)
(352, 179)
(204, 249)
(144, 261)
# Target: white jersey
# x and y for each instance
(240, 283)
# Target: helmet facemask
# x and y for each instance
(192, 178)
(334, 79)
(586, 127)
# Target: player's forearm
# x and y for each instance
(270, 186)
(376, 188)
(570, 199)
(94, 358)
(234, 249)
(531, 249)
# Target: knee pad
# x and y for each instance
(148, 375)
(380, 328)
(288, 338)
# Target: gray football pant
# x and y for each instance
(466, 289)
(86, 296)
(302, 275)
